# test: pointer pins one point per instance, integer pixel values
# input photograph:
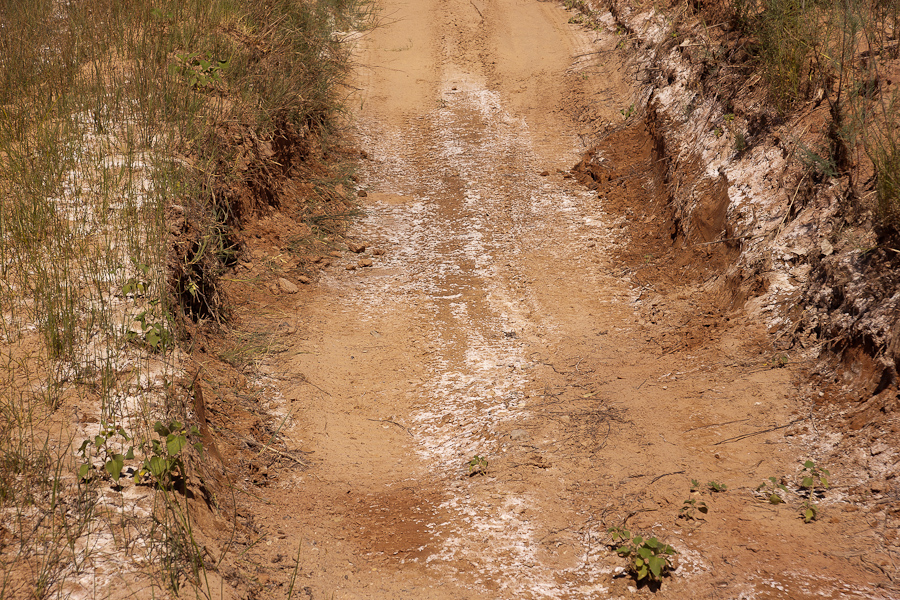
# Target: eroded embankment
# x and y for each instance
(739, 217)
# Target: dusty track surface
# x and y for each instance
(498, 323)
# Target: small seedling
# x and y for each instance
(778, 361)
(715, 486)
(627, 112)
(691, 507)
(773, 490)
(478, 466)
(695, 486)
(814, 477)
(809, 511)
(647, 558)
(200, 70)
(113, 462)
(164, 462)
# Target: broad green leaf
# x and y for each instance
(638, 540)
(174, 444)
(809, 464)
(161, 429)
(130, 454)
(656, 565)
(623, 550)
(99, 440)
(645, 552)
(153, 339)
(652, 542)
(114, 466)
(807, 482)
(775, 499)
(642, 572)
(157, 465)
(83, 470)
(638, 562)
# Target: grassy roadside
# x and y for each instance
(843, 53)
(135, 138)
(839, 54)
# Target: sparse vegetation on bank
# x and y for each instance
(134, 138)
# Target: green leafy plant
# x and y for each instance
(715, 486)
(154, 333)
(691, 507)
(695, 486)
(647, 558)
(138, 285)
(478, 466)
(627, 112)
(113, 462)
(200, 70)
(814, 477)
(164, 461)
(773, 490)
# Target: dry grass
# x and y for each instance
(118, 124)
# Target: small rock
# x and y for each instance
(303, 279)
(356, 248)
(518, 435)
(826, 247)
(288, 287)
(336, 254)
(361, 194)
(878, 447)
(377, 251)
(363, 154)
(365, 262)
(350, 267)
(545, 173)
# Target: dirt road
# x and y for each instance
(498, 324)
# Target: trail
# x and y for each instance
(498, 324)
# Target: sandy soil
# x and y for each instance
(500, 321)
